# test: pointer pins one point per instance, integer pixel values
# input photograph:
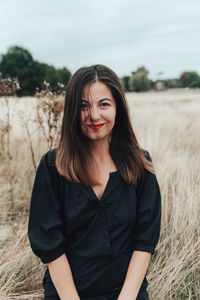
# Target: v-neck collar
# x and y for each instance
(107, 189)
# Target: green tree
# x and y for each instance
(190, 79)
(18, 62)
(139, 80)
(125, 82)
(53, 75)
(64, 75)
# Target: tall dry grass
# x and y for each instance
(167, 125)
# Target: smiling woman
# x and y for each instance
(96, 206)
(85, 104)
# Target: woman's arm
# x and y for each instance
(62, 278)
(46, 230)
(135, 274)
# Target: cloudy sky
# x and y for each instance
(164, 36)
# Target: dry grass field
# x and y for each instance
(167, 124)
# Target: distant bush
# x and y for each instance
(139, 80)
(172, 83)
(190, 79)
(125, 82)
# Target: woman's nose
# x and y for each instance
(94, 113)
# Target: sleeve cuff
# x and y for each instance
(144, 248)
(52, 256)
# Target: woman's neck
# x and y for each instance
(100, 151)
(103, 162)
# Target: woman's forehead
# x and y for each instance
(96, 90)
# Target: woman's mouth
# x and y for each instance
(95, 127)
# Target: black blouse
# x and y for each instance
(97, 236)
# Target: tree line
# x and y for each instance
(139, 81)
(18, 63)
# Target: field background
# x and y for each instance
(167, 125)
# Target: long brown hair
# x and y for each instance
(73, 155)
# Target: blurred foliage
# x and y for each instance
(139, 80)
(53, 75)
(19, 63)
(172, 83)
(125, 83)
(190, 79)
(8, 86)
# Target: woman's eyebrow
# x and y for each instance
(105, 99)
(99, 99)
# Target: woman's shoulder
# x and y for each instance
(50, 157)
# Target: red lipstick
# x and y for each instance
(95, 126)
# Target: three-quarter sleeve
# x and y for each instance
(146, 231)
(45, 225)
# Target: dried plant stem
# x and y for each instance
(9, 159)
(40, 121)
(25, 124)
(10, 179)
(8, 128)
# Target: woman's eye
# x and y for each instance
(84, 106)
(105, 104)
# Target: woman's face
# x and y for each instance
(98, 111)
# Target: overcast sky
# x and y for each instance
(164, 36)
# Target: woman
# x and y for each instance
(95, 207)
